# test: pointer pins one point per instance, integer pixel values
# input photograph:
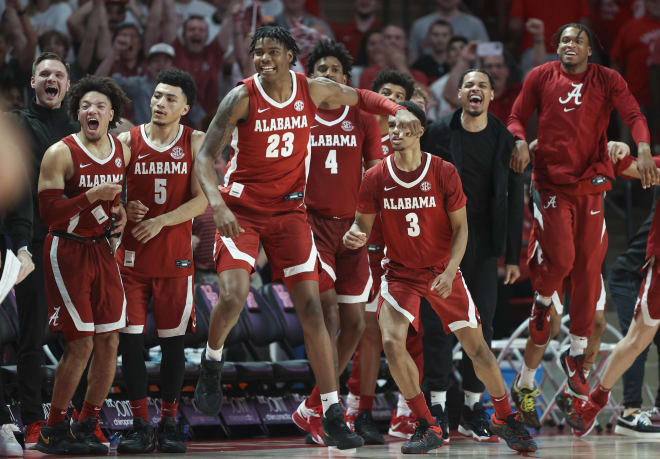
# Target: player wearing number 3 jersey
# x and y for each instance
(267, 119)
(422, 206)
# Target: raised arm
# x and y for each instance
(233, 108)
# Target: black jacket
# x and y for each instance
(443, 139)
(44, 127)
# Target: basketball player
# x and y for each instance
(422, 208)
(571, 171)
(267, 118)
(155, 255)
(79, 186)
(343, 139)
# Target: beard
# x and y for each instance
(474, 113)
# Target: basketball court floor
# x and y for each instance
(551, 446)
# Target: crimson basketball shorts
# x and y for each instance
(345, 270)
(403, 288)
(376, 254)
(648, 300)
(83, 287)
(286, 238)
(174, 307)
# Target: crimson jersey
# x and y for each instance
(574, 112)
(270, 148)
(414, 209)
(159, 177)
(88, 172)
(376, 236)
(340, 140)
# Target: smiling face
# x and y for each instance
(50, 83)
(329, 67)
(271, 59)
(574, 49)
(168, 104)
(475, 93)
(195, 35)
(94, 114)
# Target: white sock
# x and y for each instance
(213, 354)
(402, 408)
(439, 398)
(471, 398)
(578, 345)
(526, 377)
(544, 300)
(586, 373)
(329, 399)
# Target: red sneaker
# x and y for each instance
(309, 419)
(584, 415)
(32, 434)
(539, 323)
(402, 425)
(98, 433)
(574, 369)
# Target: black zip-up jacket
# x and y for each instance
(443, 139)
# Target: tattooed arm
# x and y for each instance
(232, 109)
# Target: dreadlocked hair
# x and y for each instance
(280, 35)
(325, 48)
(594, 42)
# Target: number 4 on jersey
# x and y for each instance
(331, 162)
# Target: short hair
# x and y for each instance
(593, 39)
(441, 22)
(421, 92)
(192, 17)
(104, 85)
(362, 58)
(280, 35)
(180, 79)
(48, 56)
(394, 77)
(457, 38)
(485, 72)
(46, 37)
(416, 110)
(325, 48)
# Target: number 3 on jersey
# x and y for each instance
(160, 192)
(413, 229)
(273, 149)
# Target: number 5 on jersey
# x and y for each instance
(160, 192)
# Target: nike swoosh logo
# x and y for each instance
(44, 439)
(82, 166)
(395, 426)
(312, 127)
(570, 373)
(594, 212)
(143, 156)
(388, 188)
(569, 109)
(261, 110)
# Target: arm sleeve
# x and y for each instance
(628, 109)
(53, 209)
(376, 104)
(19, 221)
(524, 105)
(371, 148)
(453, 188)
(368, 202)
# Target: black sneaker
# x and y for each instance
(365, 426)
(208, 393)
(57, 439)
(336, 432)
(85, 431)
(443, 420)
(513, 432)
(168, 436)
(474, 423)
(637, 424)
(426, 438)
(138, 440)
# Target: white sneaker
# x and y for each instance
(8, 444)
(654, 415)
(637, 424)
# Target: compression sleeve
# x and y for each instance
(53, 209)
(376, 104)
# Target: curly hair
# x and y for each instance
(179, 79)
(104, 85)
(326, 48)
(394, 77)
(280, 35)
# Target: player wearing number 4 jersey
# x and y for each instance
(343, 140)
(155, 256)
(422, 206)
(267, 120)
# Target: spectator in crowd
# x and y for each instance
(90, 33)
(608, 16)
(186, 8)
(553, 14)
(294, 13)
(454, 58)
(464, 24)
(632, 49)
(506, 86)
(394, 41)
(140, 88)
(18, 41)
(126, 51)
(421, 98)
(371, 53)
(116, 13)
(48, 15)
(434, 64)
(365, 19)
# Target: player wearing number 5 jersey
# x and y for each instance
(267, 119)
(422, 207)
(155, 255)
